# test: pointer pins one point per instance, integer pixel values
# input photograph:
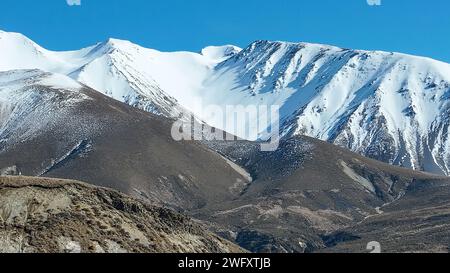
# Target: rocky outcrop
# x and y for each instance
(53, 215)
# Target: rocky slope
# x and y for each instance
(53, 216)
(418, 222)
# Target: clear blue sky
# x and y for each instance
(420, 27)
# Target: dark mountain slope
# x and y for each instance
(306, 190)
(99, 140)
(418, 222)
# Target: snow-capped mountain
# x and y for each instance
(389, 106)
(148, 79)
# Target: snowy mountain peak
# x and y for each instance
(220, 53)
(119, 44)
(260, 46)
(18, 39)
(109, 46)
(267, 47)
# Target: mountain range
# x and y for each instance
(388, 106)
(293, 199)
(103, 115)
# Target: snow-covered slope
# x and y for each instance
(151, 80)
(30, 102)
(155, 81)
(220, 53)
(389, 106)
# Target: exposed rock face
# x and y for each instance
(52, 215)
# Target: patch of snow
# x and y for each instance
(220, 53)
(357, 178)
(60, 81)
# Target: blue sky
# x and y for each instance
(420, 27)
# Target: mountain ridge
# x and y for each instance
(393, 107)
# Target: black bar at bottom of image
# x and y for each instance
(207, 262)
